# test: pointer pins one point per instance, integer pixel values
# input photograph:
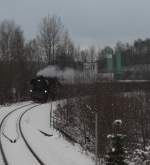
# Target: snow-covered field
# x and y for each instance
(52, 149)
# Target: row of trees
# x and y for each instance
(13, 60)
(20, 59)
(132, 54)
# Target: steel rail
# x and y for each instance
(26, 142)
(1, 124)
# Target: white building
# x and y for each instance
(90, 71)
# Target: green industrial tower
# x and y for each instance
(118, 65)
(109, 63)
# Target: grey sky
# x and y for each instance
(100, 22)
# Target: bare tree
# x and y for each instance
(92, 54)
(50, 33)
(14, 60)
(65, 52)
(7, 33)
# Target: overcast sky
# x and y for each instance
(100, 22)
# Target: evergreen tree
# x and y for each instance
(116, 153)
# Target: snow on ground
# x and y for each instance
(8, 108)
(10, 127)
(53, 150)
(4, 110)
(16, 153)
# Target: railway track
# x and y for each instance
(5, 161)
(26, 142)
(4, 157)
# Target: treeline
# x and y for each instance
(20, 58)
(132, 54)
(16, 64)
(138, 53)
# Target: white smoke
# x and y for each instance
(66, 75)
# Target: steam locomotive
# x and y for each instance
(44, 88)
(51, 83)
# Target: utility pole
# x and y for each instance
(51, 109)
(96, 138)
(94, 110)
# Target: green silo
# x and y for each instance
(118, 65)
(109, 66)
